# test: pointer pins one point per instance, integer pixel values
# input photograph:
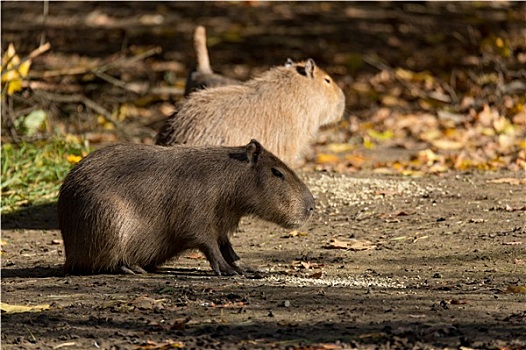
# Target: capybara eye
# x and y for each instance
(277, 173)
(327, 80)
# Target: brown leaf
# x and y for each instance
(353, 244)
(355, 159)
(195, 255)
(336, 244)
(179, 323)
(326, 158)
(458, 302)
(516, 289)
(146, 303)
(317, 275)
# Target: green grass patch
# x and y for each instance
(33, 172)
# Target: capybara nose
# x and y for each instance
(310, 206)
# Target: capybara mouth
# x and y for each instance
(297, 223)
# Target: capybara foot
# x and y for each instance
(241, 266)
(132, 270)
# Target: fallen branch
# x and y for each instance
(100, 69)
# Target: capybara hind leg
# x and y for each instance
(217, 261)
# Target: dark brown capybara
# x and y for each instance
(283, 109)
(203, 76)
(131, 207)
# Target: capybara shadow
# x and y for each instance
(33, 272)
(34, 217)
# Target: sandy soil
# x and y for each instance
(430, 262)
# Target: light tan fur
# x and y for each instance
(283, 108)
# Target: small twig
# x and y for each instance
(376, 64)
(45, 13)
(119, 83)
(140, 88)
(37, 52)
(30, 333)
(139, 57)
(101, 69)
(40, 85)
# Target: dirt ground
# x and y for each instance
(387, 261)
(441, 259)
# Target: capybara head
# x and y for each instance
(331, 97)
(281, 196)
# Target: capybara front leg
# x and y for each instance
(217, 261)
(233, 259)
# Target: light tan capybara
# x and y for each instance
(283, 108)
(203, 76)
(130, 207)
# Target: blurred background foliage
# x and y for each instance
(431, 87)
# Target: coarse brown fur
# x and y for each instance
(283, 108)
(203, 76)
(131, 207)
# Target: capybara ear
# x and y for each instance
(289, 63)
(310, 66)
(253, 151)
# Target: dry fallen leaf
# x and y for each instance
(195, 255)
(512, 243)
(340, 147)
(306, 265)
(169, 344)
(146, 303)
(179, 323)
(516, 289)
(13, 309)
(295, 233)
(353, 244)
(326, 158)
(316, 275)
